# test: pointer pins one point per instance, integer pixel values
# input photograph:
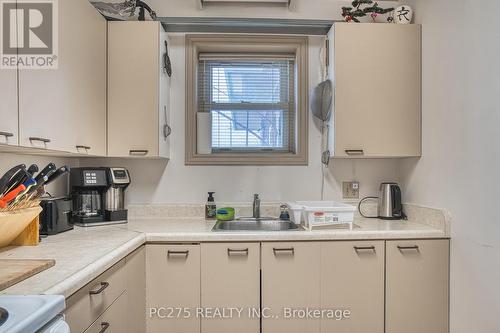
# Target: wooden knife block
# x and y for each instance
(21, 228)
(30, 236)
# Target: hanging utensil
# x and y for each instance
(167, 65)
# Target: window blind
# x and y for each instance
(251, 101)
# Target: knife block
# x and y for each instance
(20, 228)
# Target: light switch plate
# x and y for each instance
(350, 190)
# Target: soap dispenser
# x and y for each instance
(210, 207)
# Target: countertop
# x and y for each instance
(84, 253)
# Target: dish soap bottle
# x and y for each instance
(210, 207)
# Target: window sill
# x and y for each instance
(248, 159)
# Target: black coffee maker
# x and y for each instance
(98, 195)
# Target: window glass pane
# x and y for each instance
(247, 129)
(250, 102)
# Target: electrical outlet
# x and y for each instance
(350, 190)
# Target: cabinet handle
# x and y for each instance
(178, 253)
(138, 152)
(412, 247)
(104, 285)
(6, 134)
(365, 248)
(34, 138)
(83, 147)
(354, 152)
(104, 326)
(278, 251)
(237, 252)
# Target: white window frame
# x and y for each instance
(297, 45)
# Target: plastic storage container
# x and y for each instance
(321, 213)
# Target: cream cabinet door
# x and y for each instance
(172, 288)
(290, 284)
(8, 107)
(417, 282)
(377, 78)
(8, 104)
(135, 269)
(138, 90)
(230, 281)
(352, 284)
(112, 320)
(63, 108)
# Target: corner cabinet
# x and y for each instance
(138, 90)
(172, 288)
(376, 72)
(65, 109)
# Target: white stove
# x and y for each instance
(32, 314)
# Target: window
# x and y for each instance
(243, 98)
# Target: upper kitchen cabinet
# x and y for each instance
(376, 71)
(64, 109)
(8, 107)
(138, 90)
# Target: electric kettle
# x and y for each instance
(390, 206)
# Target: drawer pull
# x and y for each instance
(138, 152)
(6, 134)
(365, 248)
(278, 251)
(404, 248)
(103, 286)
(34, 138)
(237, 252)
(104, 326)
(354, 152)
(83, 147)
(178, 253)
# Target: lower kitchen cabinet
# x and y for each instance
(290, 284)
(230, 279)
(112, 320)
(136, 290)
(172, 286)
(352, 279)
(417, 286)
(91, 301)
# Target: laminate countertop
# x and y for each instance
(83, 254)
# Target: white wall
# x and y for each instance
(161, 182)
(461, 149)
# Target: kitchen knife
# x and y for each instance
(47, 171)
(59, 172)
(32, 170)
(19, 178)
(30, 183)
(8, 175)
(15, 192)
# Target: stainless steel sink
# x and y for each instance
(256, 224)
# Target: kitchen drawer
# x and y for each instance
(112, 320)
(87, 304)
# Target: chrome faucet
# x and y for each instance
(256, 206)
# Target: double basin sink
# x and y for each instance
(256, 224)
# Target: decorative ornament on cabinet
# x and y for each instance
(356, 11)
(403, 15)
